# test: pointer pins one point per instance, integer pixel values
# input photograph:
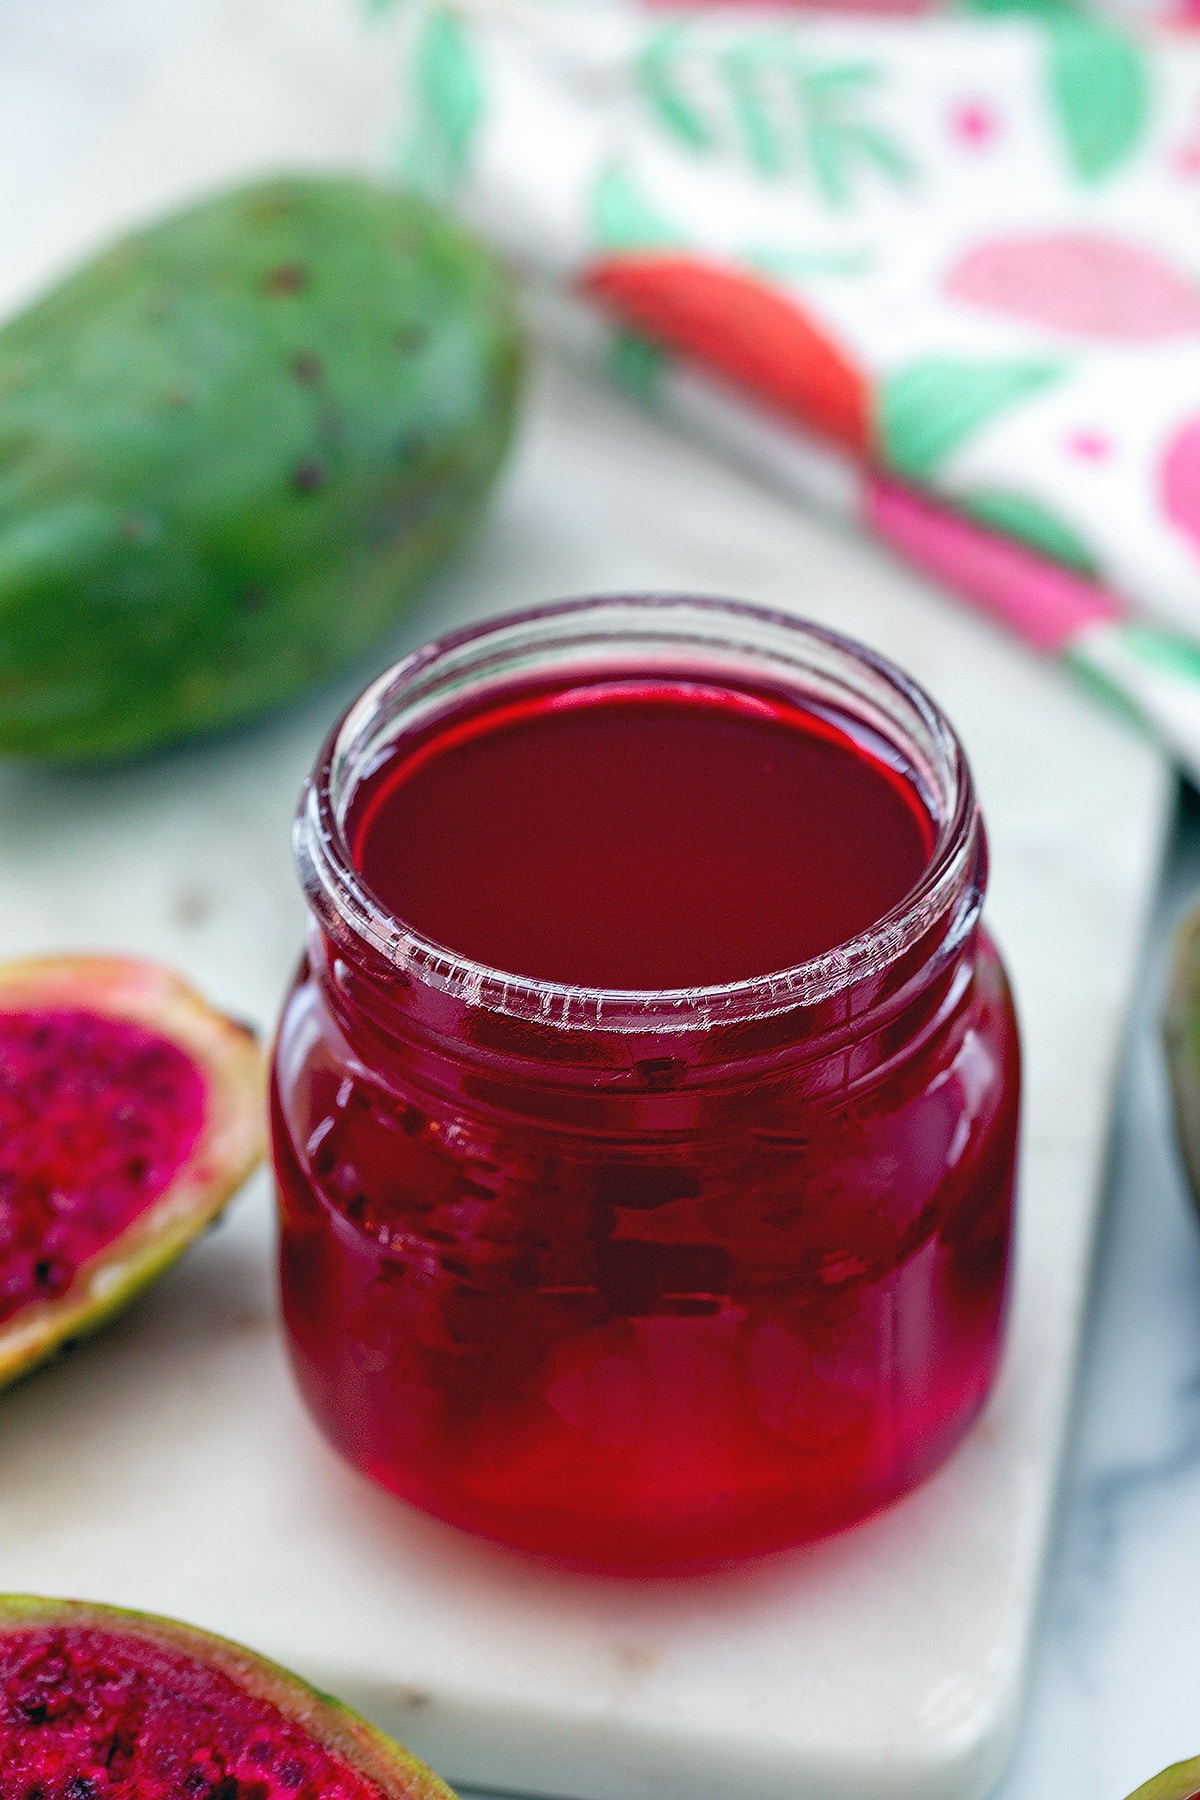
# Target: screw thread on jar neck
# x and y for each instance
(722, 641)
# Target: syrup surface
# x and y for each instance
(639, 834)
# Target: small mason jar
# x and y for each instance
(647, 1280)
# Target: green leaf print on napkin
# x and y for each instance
(637, 364)
(929, 408)
(622, 218)
(658, 75)
(784, 262)
(447, 105)
(781, 110)
(1017, 516)
(1039, 8)
(837, 141)
(1101, 94)
(1162, 649)
(763, 133)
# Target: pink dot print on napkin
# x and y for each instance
(1089, 444)
(1179, 481)
(974, 123)
(1080, 283)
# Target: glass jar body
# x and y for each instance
(753, 1314)
(647, 1281)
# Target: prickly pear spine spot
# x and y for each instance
(308, 477)
(138, 527)
(287, 278)
(97, 1116)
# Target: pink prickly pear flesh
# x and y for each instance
(101, 1704)
(130, 1112)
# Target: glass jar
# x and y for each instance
(647, 1280)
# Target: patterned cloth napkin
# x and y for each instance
(943, 273)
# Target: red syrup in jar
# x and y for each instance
(638, 834)
(695, 1280)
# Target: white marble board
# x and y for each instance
(168, 1465)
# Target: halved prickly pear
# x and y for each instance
(1181, 1032)
(1180, 1782)
(130, 1112)
(96, 1702)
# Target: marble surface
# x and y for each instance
(1114, 1691)
(169, 1465)
(1115, 1675)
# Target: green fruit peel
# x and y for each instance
(1180, 1782)
(1181, 1034)
(230, 448)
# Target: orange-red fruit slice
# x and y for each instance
(741, 328)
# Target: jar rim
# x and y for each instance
(677, 623)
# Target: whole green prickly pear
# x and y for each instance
(1180, 1782)
(230, 446)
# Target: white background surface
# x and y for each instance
(1119, 1652)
